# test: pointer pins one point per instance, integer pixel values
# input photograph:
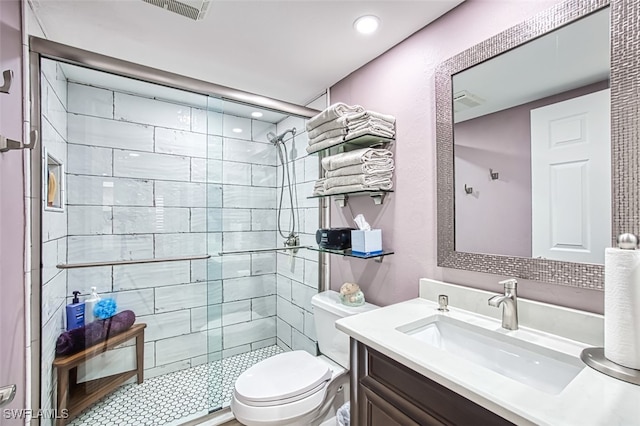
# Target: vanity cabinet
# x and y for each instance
(389, 393)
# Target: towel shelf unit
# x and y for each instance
(376, 257)
(341, 199)
(364, 141)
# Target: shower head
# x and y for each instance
(274, 139)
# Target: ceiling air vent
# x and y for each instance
(194, 9)
(464, 100)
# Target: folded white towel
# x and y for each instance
(355, 188)
(318, 187)
(331, 113)
(372, 123)
(379, 157)
(329, 125)
(327, 143)
(366, 115)
(327, 135)
(376, 131)
(356, 169)
(361, 179)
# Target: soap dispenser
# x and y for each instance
(75, 313)
(89, 304)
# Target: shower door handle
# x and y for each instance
(7, 394)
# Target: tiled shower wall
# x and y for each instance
(297, 276)
(54, 228)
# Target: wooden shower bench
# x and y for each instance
(74, 396)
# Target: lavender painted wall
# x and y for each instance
(401, 82)
(496, 217)
(12, 221)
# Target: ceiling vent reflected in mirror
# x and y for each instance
(192, 9)
(464, 100)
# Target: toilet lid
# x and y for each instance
(282, 376)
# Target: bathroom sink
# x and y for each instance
(536, 366)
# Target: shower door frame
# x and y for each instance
(40, 48)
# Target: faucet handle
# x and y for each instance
(443, 303)
(509, 284)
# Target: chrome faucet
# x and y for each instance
(510, 302)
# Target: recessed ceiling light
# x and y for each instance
(366, 24)
(236, 130)
(256, 114)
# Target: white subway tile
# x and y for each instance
(188, 244)
(108, 191)
(149, 220)
(214, 316)
(172, 298)
(108, 363)
(54, 225)
(291, 314)
(96, 131)
(263, 220)
(236, 351)
(146, 165)
(162, 326)
(252, 239)
(89, 160)
(249, 197)
(54, 296)
(198, 270)
(263, 343)
(284, 332)
(89, 220)
(179, 348)
(263, 307)
(248, 332)
(129, 277)
(209, 122)
(259, 130)
(149, 355)
(290, 267)
(49, 260)
(215, 171)
(311, 220)
(180, 194)
(248, 152)
(141, 302)
(215, 344)
(102, 248)
(198, 170)
(263, 263)
(311, 168)
(178, 142)
(236, 220)
(263, 175)
(248, 287)
(90, 100)
(199, 319)
(301, 295)
(54, 111)
(206, 220)
(230, 125)
(235, 266)
(290, 122)
(284, 287)
(301, 342)
(150, 111)
(214, 144)
(236, 173)
(236, 312)
(214, 267)
(309, 326)
(214, 195)
(162, 370)
(311, 273)
(198, 220)
(214, 242)
(83, 279)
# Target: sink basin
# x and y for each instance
(536, 366)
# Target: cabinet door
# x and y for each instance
(381, 412)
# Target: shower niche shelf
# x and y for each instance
(341, 199)
(364, 141)
(377, 257)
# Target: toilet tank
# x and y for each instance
(327, 309)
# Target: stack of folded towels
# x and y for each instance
(340, 123)
(366, 169)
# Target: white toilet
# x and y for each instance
(296, 388)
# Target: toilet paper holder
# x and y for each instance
(594, 357)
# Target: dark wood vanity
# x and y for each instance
(388, 393)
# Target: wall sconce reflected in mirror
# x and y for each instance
(468, 189)
(494, 175)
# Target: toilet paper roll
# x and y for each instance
(622, 307)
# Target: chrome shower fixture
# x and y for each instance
(280, 138)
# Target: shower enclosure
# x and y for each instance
(172, 203)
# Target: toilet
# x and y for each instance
(296, 388)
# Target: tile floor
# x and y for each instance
(173, 398)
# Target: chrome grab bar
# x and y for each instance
(223, 253)
(7, 394)
(129, 262)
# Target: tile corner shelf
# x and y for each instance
(342, 199)
(377, 257)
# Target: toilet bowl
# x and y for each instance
(297, 388)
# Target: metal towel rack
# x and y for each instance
(223, 253)
(130, 262)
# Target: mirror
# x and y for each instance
(477, 215)
(532, 139)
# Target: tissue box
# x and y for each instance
(366, 242)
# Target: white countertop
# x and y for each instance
(592, 398)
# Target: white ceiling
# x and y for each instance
(290, 50)
(573, 56)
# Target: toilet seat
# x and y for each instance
(282, 379)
